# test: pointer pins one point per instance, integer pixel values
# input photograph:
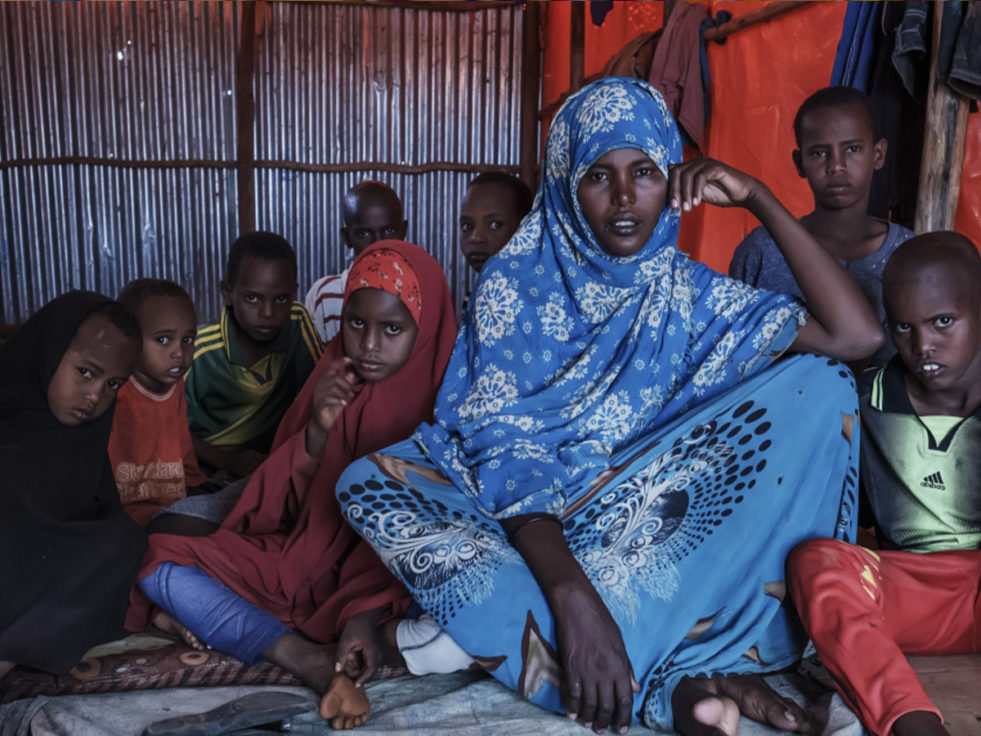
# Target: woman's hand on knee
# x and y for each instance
(598, 683)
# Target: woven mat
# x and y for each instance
(149, 662)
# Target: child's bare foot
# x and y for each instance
(710, 707)
(345, 704)
(919, 723)
(165, 622)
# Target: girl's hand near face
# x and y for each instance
(333, 392)
(707, 180)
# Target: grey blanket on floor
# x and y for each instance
(461, 703)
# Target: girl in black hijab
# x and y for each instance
(68, 552)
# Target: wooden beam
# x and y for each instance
(943, 146)
(577, 45)
(772, 10)
(531, 72)
(245, 116)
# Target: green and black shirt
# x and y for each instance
(921, 475)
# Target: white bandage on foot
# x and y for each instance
(427, 649)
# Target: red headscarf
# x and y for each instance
(388, 270)
(285, 546)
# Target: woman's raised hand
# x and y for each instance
(708, 180)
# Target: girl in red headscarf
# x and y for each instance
(285, 574)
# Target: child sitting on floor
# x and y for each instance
(838, 149)
(150, 444)
(249, 366)
(68, 552)
(285, 574)
(372, 212)
(920, 471)
(492, 209)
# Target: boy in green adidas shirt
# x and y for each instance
(921, 475)
(250, 365)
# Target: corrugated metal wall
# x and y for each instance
(118, 134)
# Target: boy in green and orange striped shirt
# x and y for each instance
(249, 366)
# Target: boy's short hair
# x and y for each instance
(945, 247)
(523, 196)
(259, 244)
(122, 318)
(837, 96)
(139, 290)
(370, 187)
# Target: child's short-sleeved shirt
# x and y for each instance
(921, 476)
(230, 404)
(324, 302)
(758, 262)
(150, 449)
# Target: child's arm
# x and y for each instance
(841, 323)
(333, 391)
(238, 463)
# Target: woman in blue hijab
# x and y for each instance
(618, 467)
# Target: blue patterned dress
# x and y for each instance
(637, 399)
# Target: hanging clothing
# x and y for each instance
(285, 547)
(68, 552)
(636, 399)
(676, 70)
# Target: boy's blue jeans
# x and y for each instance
(214, 614)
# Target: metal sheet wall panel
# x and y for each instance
(118, 82)
(138, 82)
(343, 84)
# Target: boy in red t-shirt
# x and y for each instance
(150, 447)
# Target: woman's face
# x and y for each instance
(622, 195)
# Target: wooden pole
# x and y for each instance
(945, 134)
(577, 46)
(753, 17)
(245, 117)
(531, 72)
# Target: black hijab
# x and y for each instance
(68, 553)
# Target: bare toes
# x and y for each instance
(344, 704)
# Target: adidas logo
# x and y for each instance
(934, 481)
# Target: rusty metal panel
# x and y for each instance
(118, 134)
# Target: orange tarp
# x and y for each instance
(759, 78)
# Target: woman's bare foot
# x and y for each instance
(167, 623)
(759, 701)
(345, 704)
(711, 707)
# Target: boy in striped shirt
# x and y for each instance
(250, 365)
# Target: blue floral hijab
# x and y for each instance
(569, 353)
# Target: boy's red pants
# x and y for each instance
(865, 610)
